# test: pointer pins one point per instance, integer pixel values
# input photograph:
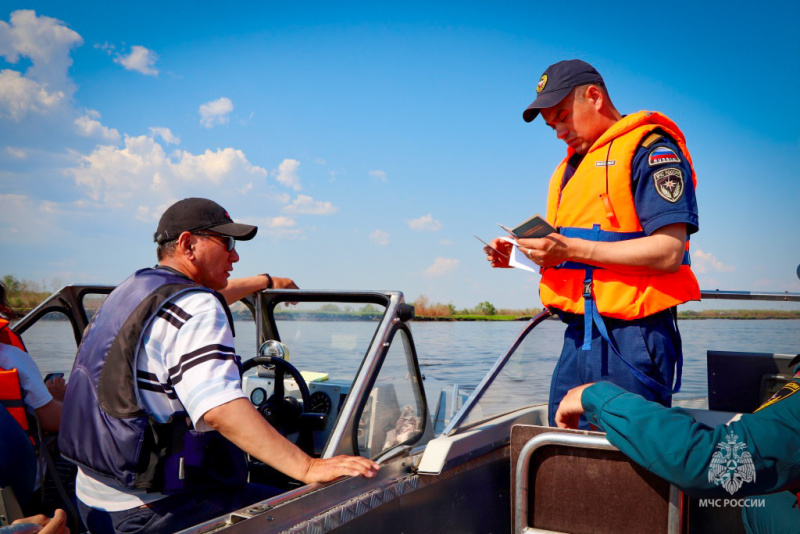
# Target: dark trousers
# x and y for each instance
(176, 512)
(651, 344)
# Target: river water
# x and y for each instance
(462, 352)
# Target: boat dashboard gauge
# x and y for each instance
(258, 396)
(321, 402)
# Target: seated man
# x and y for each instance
(754, 454)
(21, 390)
(21, 369)
(157, 368)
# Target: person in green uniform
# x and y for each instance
(753, 454)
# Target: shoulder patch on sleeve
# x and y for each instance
(650, 139)
(789, 389)
(669, 183)
(661, 155)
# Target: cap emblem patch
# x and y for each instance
(669, 184)
(661, 155)
(541, 84)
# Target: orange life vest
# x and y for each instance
(8, 337)
(11, 398)
(597, 204)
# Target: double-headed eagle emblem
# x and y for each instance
(731, 466)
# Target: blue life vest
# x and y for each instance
(105, 428)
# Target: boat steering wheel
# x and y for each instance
(283, 412)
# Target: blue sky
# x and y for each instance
(369, 142)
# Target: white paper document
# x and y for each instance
(518, 259)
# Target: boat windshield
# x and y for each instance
(519, 378)
(360, 367)
(325, 337)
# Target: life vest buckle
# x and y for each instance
(587, 289)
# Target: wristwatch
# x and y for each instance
(270, 285)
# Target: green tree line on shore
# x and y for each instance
(425, 309)
(24, 295)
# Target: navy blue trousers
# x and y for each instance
(651, 344)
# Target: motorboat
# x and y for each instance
(337, 372)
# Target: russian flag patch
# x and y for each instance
(661, 155)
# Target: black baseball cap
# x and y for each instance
(192, 214)
(556, 83)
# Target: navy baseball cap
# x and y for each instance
(192, 214)
(556, 83)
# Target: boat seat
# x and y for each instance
(576, 481)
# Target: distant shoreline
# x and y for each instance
(743, 317)
(735, 315)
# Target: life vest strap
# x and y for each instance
(596, 234)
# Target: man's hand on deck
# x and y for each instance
(570, 410)
(325, 470)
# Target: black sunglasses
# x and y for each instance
(229, 241)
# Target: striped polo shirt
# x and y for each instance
(186, 363)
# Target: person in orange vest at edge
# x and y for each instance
(623, 203)
(21, 388)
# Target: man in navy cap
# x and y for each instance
(154, 414)
(623, 202)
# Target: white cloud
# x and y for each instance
(20, 96)
(216, 166)
(380, 237)
(280, 228)
(106, 47)
(425, 223)
(307, 205)
(442, 267)
(215, 112)
(114, 175)
(703, 262)
(446, 242)
(89, 127)
(286, 174)
(18, 153)
(140, 59)
(46, 42)
(165, 134)
(279, 222)
(380, 175)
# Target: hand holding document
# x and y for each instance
(490, 246)
(518, 259)
(535, 227)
